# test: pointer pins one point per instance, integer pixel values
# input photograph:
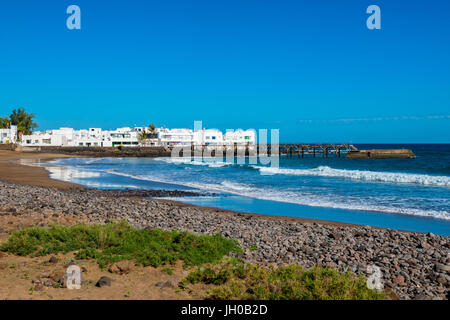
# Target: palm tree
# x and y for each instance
(23, 121)
(142, 135)
(152, 131)
(4, 122)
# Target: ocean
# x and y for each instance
(407, 194)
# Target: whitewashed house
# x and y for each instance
(44, 139)
(121, 137)
(130, 137)
(240, 137)
(83, 138)
(8, 135)
(151, 137)
(67, 132)
(208, 137)
(170, 137)
(92, 137)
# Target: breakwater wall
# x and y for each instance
(380, 154)
(149, 152)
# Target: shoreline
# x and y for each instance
(413, 265)
(13, 172)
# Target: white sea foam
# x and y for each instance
(306, 199)
(70, 173)
(210, 162)
(362, 175)
(93, 160)
(236, 186)
(325, 171)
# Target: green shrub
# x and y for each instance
(284, 283)
(119, 241)
(219, 274)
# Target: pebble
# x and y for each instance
(411, 262)
(103, 281)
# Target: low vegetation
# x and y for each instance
(119, 241)
(233, 279)
(214, 272)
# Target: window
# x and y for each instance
(46, 141)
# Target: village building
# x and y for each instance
(9, 135)
(170, 137)
(137, 136)
(240, 137)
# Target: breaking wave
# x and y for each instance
(189, 161)
(307, 199)
(370, 176)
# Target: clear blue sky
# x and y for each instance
(310, 68)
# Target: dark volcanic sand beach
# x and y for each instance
(12, 172)
(414, 265)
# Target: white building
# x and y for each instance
(170, 137)
(151, 137)
(121, 137)
(240, 137)
(208, 137)
(8, 135)
(67, 132)
(44, 139)
(87, 138)
(126, 136)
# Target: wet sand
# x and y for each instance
(13, 172)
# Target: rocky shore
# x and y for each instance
(133, 193)
(413, 265)
(101, 152)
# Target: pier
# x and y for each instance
(316, 149)
(289, 149)
(244, 150)
(296, 149)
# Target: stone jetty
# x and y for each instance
(380, 154)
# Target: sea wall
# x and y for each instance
(380, 154)
(102, 151)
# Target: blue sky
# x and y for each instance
(309, 68)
